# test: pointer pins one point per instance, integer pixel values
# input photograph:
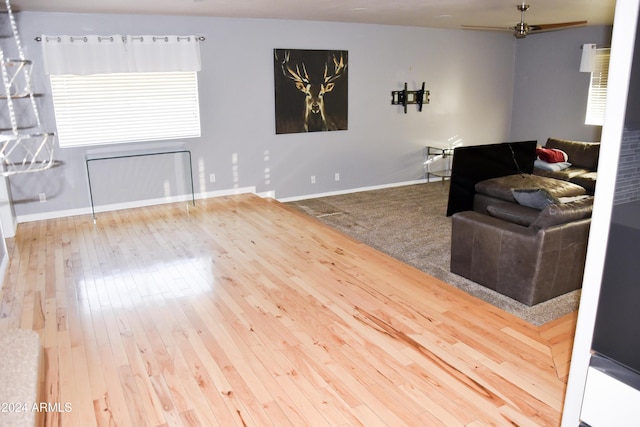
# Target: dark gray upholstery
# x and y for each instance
(581, 154)
(583, 157)
(527, 264)
(502, 187)
(512, 212)
(528, 254)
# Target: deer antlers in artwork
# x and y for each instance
(314, 114)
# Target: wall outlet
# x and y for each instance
(313, 179)
(212, 177)
(337, 176)
(43, 197)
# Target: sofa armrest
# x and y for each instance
(479, 244)
(523, 263)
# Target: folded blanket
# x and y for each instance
(553, 167)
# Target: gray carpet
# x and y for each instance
(410, 224)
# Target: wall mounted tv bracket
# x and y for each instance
(406, 97)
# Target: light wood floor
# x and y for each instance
(242, 311)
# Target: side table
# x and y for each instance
(437, 155)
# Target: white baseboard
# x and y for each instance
(609, 402)
(130, 205)
(3, 266)
(352, 190)
(268, 194)
(198, 196)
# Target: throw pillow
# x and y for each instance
(512, 212)
(537, 198)
(563, 213)
(551, 155)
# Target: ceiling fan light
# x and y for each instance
(520, 30)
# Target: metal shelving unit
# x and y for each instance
(437, 155)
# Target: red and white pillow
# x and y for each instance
(551, 155)
(551, 159)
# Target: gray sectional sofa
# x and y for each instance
(531, 252)
(527, 234)
(583, 157)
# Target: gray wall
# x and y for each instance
(550, 93)
(469, 74)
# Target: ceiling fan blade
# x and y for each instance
(559, 25)
(482, 27)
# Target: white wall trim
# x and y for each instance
(207, 195)
(622, 47)
(609, 402)
(4, 264)
(352, 190)
(135, 204)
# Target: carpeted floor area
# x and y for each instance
(410, 224)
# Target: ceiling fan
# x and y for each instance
(522, 29)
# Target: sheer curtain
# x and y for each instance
(122, 89)
(94, 54)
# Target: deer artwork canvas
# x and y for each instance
(311, 89)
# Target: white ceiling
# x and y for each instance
(420, 13)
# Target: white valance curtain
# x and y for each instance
(120, 54)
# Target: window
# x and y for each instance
(125, 107)
(119, 89)
(598, 89)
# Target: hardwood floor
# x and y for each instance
(242, 311)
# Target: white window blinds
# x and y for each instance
(131, 107)
(119, 89)
(598, 89)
